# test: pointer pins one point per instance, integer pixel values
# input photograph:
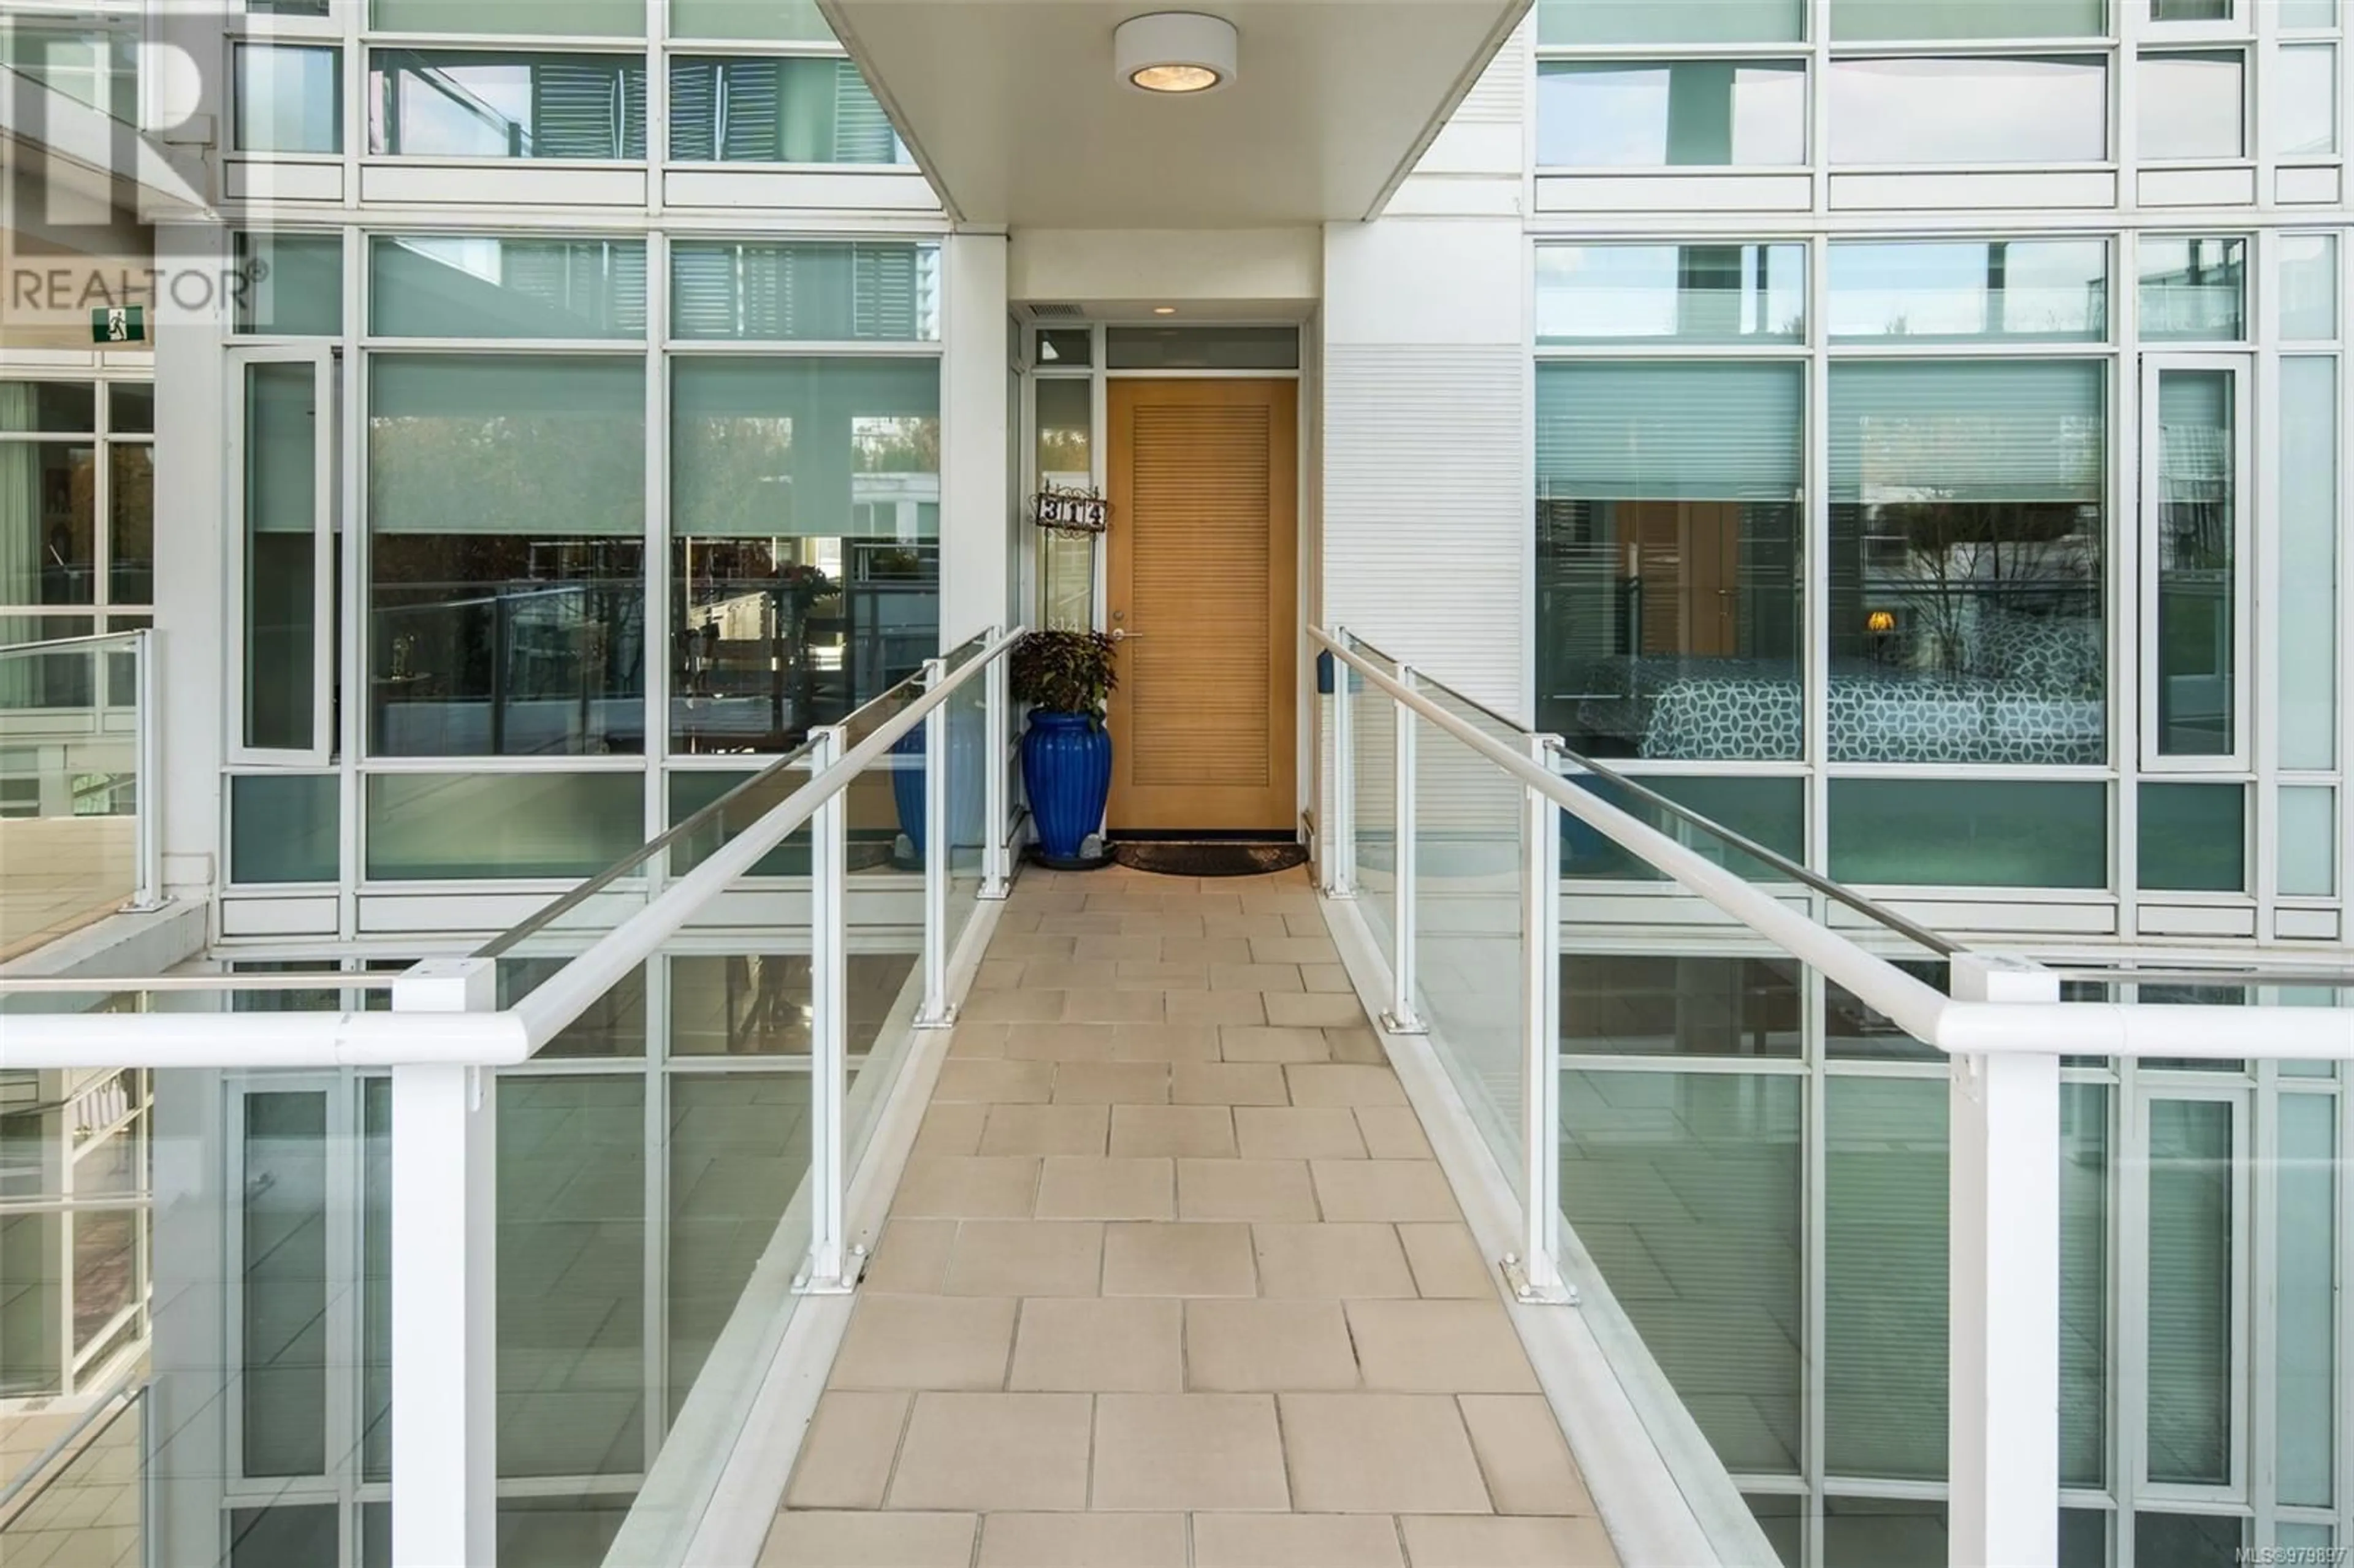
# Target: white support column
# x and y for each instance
(1535, 1274)
(935, 1012)
(976, 493)
(996, 731)
(2003, 1314)
(1401, 1017)
(830, 1271)
(1340, 824)
(444, 1300)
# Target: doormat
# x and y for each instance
(1198, 858)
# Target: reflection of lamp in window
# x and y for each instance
(1882, 625)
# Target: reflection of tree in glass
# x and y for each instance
(1961, 558)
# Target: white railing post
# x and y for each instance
(828, 1271)
(1535, 1275)
(2003, 1313)
(148, 826)
(1339, 825)
(444, 1286)
(996, 866)
(1401, 1017)
(936, 1013)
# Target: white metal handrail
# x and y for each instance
(483, 1039)
(2003, 1026)
(1950, 1024)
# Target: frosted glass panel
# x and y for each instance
(573, 18)
(2305, 116)
(2307, 621)
(1968, 111)
(2193, 104)
(1691, 294)
(283, 827)
(2308, 14)
(2193, 837)
(797, 21)
(293, 285)
(2308, 287)
(1067, 575)
(476, 825)
(506, 445)
(1939, 832)
(2308, 841)
(448, 285)
(1852, 19)
(1685, 1188)
(2191, 1292)
(2307, 1371)
(289, 100)
(1664, 113)
(1682, 22)
(1885, 1307)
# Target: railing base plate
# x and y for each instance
(1409, 1024)
(945, 1018)
(1516, 1276)
(853, 1268)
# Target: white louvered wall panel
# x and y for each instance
(1426, 531)
(1499, 95)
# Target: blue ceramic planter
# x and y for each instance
(1067, 770)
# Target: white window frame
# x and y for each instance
(325, 424)
(2241, 367)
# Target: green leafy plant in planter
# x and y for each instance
(1067, 677)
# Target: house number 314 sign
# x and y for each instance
(1069, 511)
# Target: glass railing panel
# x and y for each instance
(1372, 746)
(70, 758)
(76, 1496)
(1471, 865)
(967, 777)
(883, 937)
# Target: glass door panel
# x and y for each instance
(2195, 562)
(285, 584)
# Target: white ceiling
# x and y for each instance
(1012, 108)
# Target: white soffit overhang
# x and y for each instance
(1013, 108)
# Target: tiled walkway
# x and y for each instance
(1172, 1278)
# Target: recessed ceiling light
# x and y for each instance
(1175, 52)
(1164, 310)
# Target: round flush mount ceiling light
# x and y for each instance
(1175, 52)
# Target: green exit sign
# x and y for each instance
(118, 324)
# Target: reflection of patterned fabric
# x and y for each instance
(1878, 717)
(2045, 655)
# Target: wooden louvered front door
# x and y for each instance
(1204, 582)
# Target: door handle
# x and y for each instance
(1121, 635)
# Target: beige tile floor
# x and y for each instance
(1173, 1281)
(59, 873)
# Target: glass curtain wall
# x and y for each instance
(1967, 607)
(513, 550)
